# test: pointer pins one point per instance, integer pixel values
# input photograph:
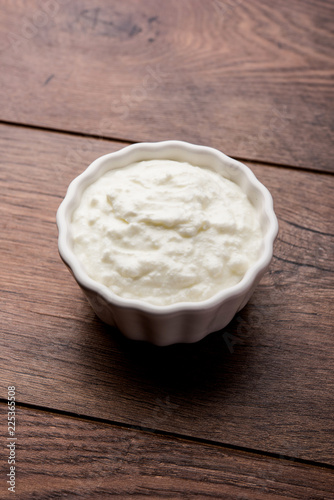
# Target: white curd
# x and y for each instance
(165, 232)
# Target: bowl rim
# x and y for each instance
(89, 175)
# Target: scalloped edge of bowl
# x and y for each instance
(109, 306)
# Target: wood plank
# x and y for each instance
(59, 456)
(250, 79)
(265, 382)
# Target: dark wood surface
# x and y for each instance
(247, 413)
(251, 78)
(64, 456)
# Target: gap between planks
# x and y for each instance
(175, 435)
(127, 142)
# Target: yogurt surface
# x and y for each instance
(164, 232)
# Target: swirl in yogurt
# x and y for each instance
(165, 232)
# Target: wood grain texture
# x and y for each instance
(265, 382)
(65, 457)
(253, 79)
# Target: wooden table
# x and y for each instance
(247, 413)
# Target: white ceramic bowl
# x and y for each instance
(181, 322)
